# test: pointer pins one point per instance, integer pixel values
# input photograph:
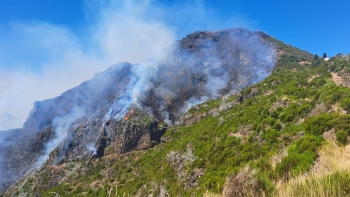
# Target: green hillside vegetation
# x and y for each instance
(239, 145)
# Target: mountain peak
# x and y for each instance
(204, 65)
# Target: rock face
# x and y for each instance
(120, 109)
(136, 133)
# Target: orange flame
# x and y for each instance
(126, 117)
(129, 114)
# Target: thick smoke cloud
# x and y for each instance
(165, 86)
(40, 60)
(204, 65)
(128, 31)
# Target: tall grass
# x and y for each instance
(209, 194)
(330, 176)
(336, 184)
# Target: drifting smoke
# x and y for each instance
(166, 86)
(61, 125)
(8, 121)
(192, 102)
(5, 143)
(39, 60)
(204, 65)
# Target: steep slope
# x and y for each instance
(250, 143)
(83, 121)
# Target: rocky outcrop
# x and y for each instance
(138, 132)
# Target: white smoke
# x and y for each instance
(61, 125)
(9, 121)
(91, 148)
(194, 101)
(40, 60)
(47, 59)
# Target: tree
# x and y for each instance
(324, 55)
(316, 57)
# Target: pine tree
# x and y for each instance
(324, 55)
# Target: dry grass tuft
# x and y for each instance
(332, 158)
(330, 175)
(334, 184)
(242, 184)
(209, 194)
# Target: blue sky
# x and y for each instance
(315, 26)
(49, 46)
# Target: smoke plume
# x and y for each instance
(39, 60)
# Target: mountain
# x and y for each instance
(127, 109)
(284, 136)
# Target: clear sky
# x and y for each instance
(315, 26)
(49, 46)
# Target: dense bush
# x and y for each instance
(316, 125)
(342, 137)
(301, 156)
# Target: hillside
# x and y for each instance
(275, 127)
(269, 139)
(84, 121)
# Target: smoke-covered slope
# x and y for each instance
(83, 121)
(25, 149)
(280, 137)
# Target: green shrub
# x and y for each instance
(316, 125)
(342, 122)
(274, 114)
(90, 191)
(277, 126)
(308, 143)
(301, 156)
(345, 103)
(342, 137)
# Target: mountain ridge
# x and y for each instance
(263, 141)
(87, 134)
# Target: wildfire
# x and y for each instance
(129, 114)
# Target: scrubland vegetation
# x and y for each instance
(265, 141)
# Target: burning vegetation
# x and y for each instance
(129, 114)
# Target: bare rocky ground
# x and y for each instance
(337, 79)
